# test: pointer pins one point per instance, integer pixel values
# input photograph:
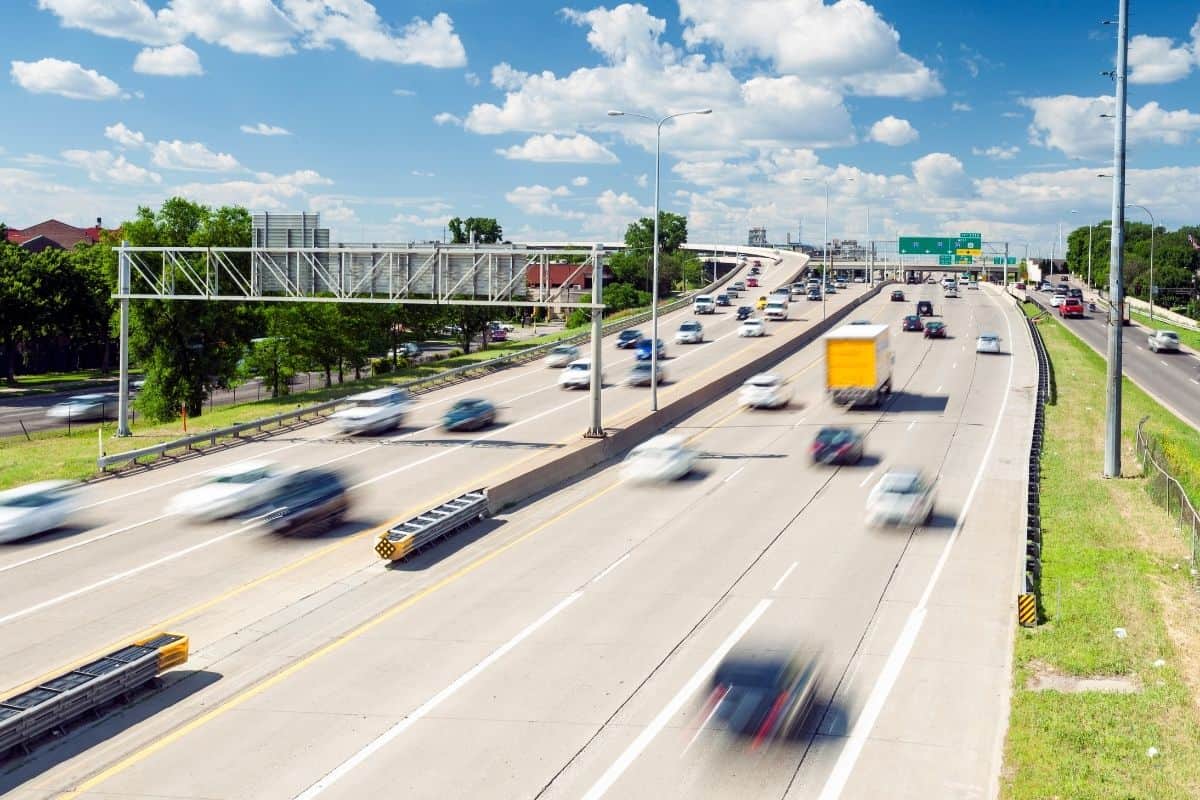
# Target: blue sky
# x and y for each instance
(390, 117)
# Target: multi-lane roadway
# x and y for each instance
(562, 650)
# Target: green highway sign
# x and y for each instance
(976, 236)
(1012, 260)
(997, 259)
(964, 259)
(945, 261)
(964, 245)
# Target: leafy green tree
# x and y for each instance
(471, 322)
(19, 309)
(486, 229)
(270, 359)
(620, 296)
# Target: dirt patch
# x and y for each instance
(1180, 606)
(1044, 678)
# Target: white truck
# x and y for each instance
(776, 309)
(858, 364)
(704, 304)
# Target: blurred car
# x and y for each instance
(1057, 300)
(1074, 292)
(924, 308)
(738, 285)
(497, 335)
(639, 374)
(752, 283)
(230, 490)
(762, 696)
(744, 312)
(578, 375)
(987, 343)
(755, 270)
(934, 329)
(643, 350)
(840, 283)
(410, 350)
(732, 291)
(36, 508)
(765, 391)
(723, 300)
(912, 323)
(308, 500)
(690, 332)
(663, 458)
(628, 339)
(930, 280)
(973, 285)
(1020, 285)
(837, 446)
(897, 296)
(814, 293)
(373, 412)
(562, 355)
(84, 407)
(761, 303)
(469, 414)
(752, 327)
(902, 497)
(1164, 340)
(830, 288)
(757, 264)
(859, 279)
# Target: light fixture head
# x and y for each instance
(616, 113)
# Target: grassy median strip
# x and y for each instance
(1121, 611)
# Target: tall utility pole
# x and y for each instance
(1116, 282)
(596, 430)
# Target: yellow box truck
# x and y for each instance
(858, 364)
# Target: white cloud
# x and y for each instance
(540, 200)
(471, 78)
(66, 78)
(420, 173)
(174, 60)
(642, 180)
(941, 174)
(403, 92)
(1157, 59)
(101, 166)
(446, 118)
(893, 131)
(579, 181)
(124, 137)
(506, 78)
(301, 177)
(1073, 124)
(263, 129)
(997, 152)
(255, 27)
(357, 25)
(332, 209)
(132, 20)
(957, 106)
(192, 156)
(621, 206)
(577, 149)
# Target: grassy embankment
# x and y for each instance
(1111, 559)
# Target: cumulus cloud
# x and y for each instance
(997, 152)
(579, 181)
(446, 118)
(102, 165)
(124, 137)
(577, 149)
(65, 78)
(1158, 59)
(1073, 124)
(941, 174)
(893, 131)
(174, 60)
(957, 106)
(192, 156)
(263, 129)
(540, 200)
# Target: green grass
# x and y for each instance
(1111, 559)
(54, 381)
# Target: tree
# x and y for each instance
(18, 304)
(486, 229)
(269, 359)
(472, 321)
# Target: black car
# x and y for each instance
(308, 499)
(1073, 292)
(723, 300)
(912, 323)
(745, 312)
(763, 697)
(924, 308)
(837, 446)
(897, 296)
(628, 338)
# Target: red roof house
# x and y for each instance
(53, 233)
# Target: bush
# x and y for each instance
(578, 318)
(381, 366)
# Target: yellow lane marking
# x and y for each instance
(342, 640)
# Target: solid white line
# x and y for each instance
(911, 425)
(954, 365)
(733, 474)
(73, 545)
(340, 771)
(784, 576)
(886, 681)
(1162, 362)
(610, 568)
(938, 389)
(867, 479)
(635, 748)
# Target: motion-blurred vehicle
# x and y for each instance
(973, 285)
(858, 364)
(578, 374)
(912, 323)
(230, 490)
(733, 291)
(752, 283)
(723, 300)
(950, 291)
(628, 339)
(1057, 300)
(1063, 278)
(640, 372)
(837, 446)
(84, 407)
(469, 414)
(765, 391)
(497, 335)
(830, 288)
(897, 296)
(840, 283)
(752, 328)
(744, 312)
(1074, 292)
(924, 308)
(1070, 307)
(862, 322)
(1163, 340)
(935, 329)
(1021, 285)
(663, 458)
(859, 279)
(902, 497)
(36, 508)
(703, 304)
(308, 500)
(776, 310)
(690, 332)
(930, 279)
(757, 264)
(814, 293)
(564, 354)
(739, 285)
(373, 412)
(987, 343)
(410, 350)
(643, 350)
(760, 303)
(763, 697)
(506, 327)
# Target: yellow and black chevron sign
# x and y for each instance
(1027, 610)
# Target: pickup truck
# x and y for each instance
(776, 309)
(1071, 307)
(1163, 340)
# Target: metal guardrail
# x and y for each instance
(416, 386)
(1029, 602)
(54, 703)
(410, 537)
(1165, 487)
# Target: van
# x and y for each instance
(704, 304)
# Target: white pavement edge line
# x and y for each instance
(610, 568)
(343, 769)
(886, 681)
(787, 573)
(643, 740)
(73, 545)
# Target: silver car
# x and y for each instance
(902, 497)
(84, 407)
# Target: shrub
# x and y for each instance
(381, 366)
(578, 318)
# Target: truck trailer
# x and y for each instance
(858, 364)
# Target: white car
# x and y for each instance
(765, 391)
(690, 332)
(951, 291)
(1057, 300)
(752, 327)
(1164, 340)
(229, 491)
(663, 458)
(84, 406)
(859, 279)
(578, 375)
(373, 412)
(902, 497)
(704, 304)
(987, 343)
(972, 284)
(562, 355)
(776, 310)
(840, 283)
(35, 508)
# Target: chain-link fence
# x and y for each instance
(1165, 488)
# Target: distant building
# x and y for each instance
(560, 273)
(53, 234)
(757, 238)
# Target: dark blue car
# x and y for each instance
(628, 338)
(643, 350)
(469, 414)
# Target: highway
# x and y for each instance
(559, 650)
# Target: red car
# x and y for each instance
(1071, 307)
(751, 283)
(912, 323)
(935, 330)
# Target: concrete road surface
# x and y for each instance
(563, 650)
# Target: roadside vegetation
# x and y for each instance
(1120, 604)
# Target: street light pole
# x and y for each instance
(654, 288)
(1116, 284)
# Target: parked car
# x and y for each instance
(564, 354)
(935, 329)
(83, 407)
(744, 312)
(690, 332)
(373, 412)
(640, 372)
(469, 414)
(1164, 340)
(752, 327)
(643, 350)
(628, 339)
(897, 296)
(663, 458)
(230, 490)
(36, 508)
(765, 391)
(924, 308)
(912, 323)
(578, 375)
(987, 343)
(308, 500)
(902, 497)
(837, 446)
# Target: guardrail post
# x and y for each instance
(596, 430)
